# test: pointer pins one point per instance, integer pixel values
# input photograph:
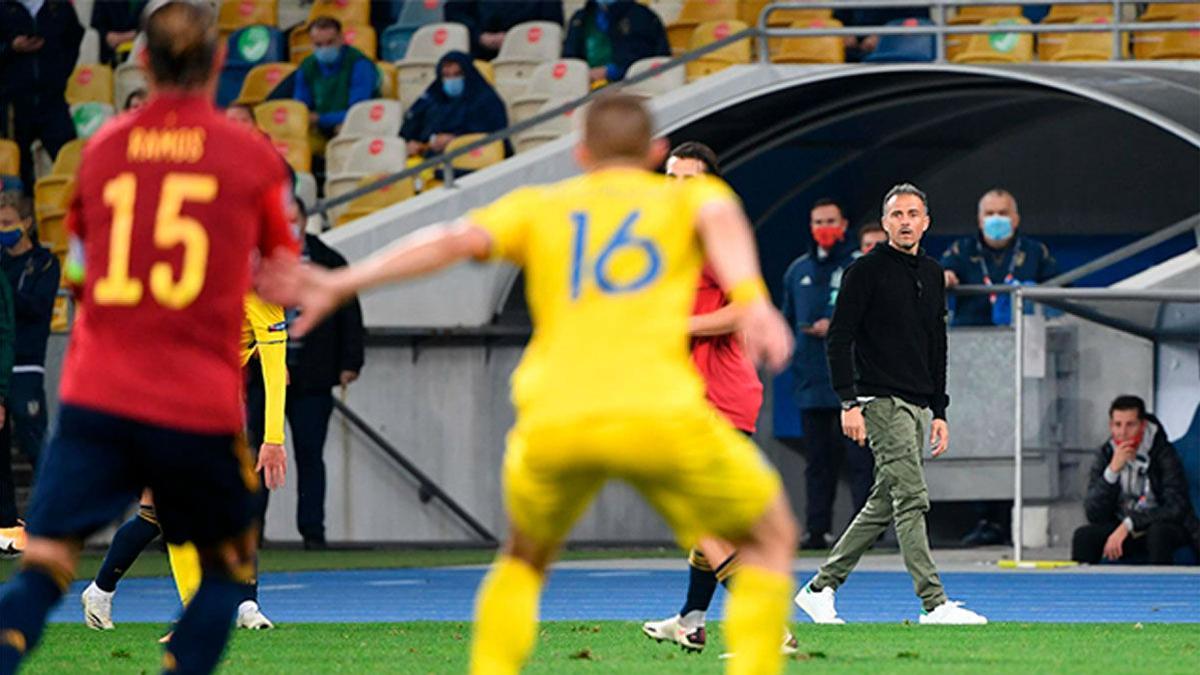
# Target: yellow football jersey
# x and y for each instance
(611, 260)
(264, 332)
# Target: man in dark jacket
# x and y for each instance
(1137, 504)
(810, 288)
(460, 101)
(611, 35)
(489, 20)
(117, 22)
(330, 355)
(38, 50)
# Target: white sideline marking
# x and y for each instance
(618, 574)
(396, 582)
(282, 587)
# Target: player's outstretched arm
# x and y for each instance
(316, 292)
(729, 244)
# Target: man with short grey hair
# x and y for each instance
(887, 360)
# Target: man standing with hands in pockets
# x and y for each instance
(887, 361)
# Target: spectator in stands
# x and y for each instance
(39, 44)
(489, 20)
(458, 102)
(330, 355)
(240, 112)
(810, 288)
(859, 46)
(135, 99)
(611, 35)
(334, 77)
(117, 22)
(871, 235)
(33, 274)
(12, 532)
(1137, 504)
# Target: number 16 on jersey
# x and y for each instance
(597, 269)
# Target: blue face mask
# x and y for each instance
(327, 55)
(453, 86)
(9, 238)
(997, 228)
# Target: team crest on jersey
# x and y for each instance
(33, 408)
(277, 327)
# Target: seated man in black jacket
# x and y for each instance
(611, 35)
(1137, 503)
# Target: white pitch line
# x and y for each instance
(283, 587)
(396, 582)
(619, 574)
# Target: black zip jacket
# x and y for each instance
(34, 277)
(316, 361)
(888, 332)
(44, 72)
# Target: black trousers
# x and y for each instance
(8, 491)
(24, 119)
(1156, 547)
(828, 449)
(308, 421)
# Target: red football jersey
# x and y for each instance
(170, 203)
(732, 385)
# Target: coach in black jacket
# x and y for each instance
(1137, 504)
(330, 355)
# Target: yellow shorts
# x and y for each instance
(700, 473)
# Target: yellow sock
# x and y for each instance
(759, 602)
(185, 567)
(506, 615)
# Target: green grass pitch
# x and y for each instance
(618, 647)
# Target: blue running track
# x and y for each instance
(583, 594)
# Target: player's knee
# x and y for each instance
(907, 503)
(529, 550)
(231, 559)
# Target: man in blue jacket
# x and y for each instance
(810, 288)
(611, 35)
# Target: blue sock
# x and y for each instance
(702, 584)
(127, 544)
(24, 604)
(203, 630)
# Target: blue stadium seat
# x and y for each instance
(413, 14)
(248, 47)
(905, 48)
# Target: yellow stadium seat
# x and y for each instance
(732, 54)
(361, 37)
(387, 79)
(90, 82)
(52, 230)
(485, 69)
(829, 49)
(10, 158)
(299, 44)
(261, 80)
(479, 158)
(376, 199)
(66, 163)
(998, 47)
(1171, 11)
(979, 14)
(1089, 46)
(749, 10)
(60, 321)
(235, 14)
(1049, 44)
(52, 194)
(1178, 45)
(694, 13)
(346, 11)
(296, 151)
(282, 118)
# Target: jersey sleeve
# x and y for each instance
(705, 190)
(507, 221)
(270, 338)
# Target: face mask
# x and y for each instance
(827, 237)
(327, 55)
(453, 86)
(9, 238)
(997, 228)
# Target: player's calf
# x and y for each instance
(203, 630)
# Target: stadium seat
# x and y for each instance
(362, 38)
(905, 48)
(732, 54)
(979, 14)
(66, 163)
(694, 13)
(261, 80)
(1178, 45)
(282, 118)
(306, 188)
(299, 44)
(369, 155)
(667, 80)
(550, 129)
(1146, 44)
(88, 117)
(393, 44)
(248, 47)
(486, 71)
(91, 82)
(52, 194)
(415, 71)
(89, 48)
(479, 158)
(60, 321)
(1089, 46)
(1170, 11)
(749, 10)
(667, 10)
(998, 47)
(130, 77)
(347, 11)
(829, 49)
(1048, 44)
(10, 158)
(52, 230)
(237, 14)
(296, 152)
(387, 80)
(376, 199)
(564, 78)
(376, 117)
(525, 47)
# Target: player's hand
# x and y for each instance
(27, 43)
(939, 437)
(272, 462)
(769, 340)
(1123, 453)
(1114, 548)
(820, 328)
(313, 290)
(347, 377)
(951, 279)
(854, 426)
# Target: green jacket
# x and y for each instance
(8, 336)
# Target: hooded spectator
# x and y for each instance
(460, 101)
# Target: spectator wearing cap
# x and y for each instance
(117, 23)
(613, 34)
(458, 102)
(490, 20)
(39, 44)
(334, 77)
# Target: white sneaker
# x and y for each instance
(97, 607)
(688, 633)
(818, 606)
(952, 614)
(250, 616)
(12, 541)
